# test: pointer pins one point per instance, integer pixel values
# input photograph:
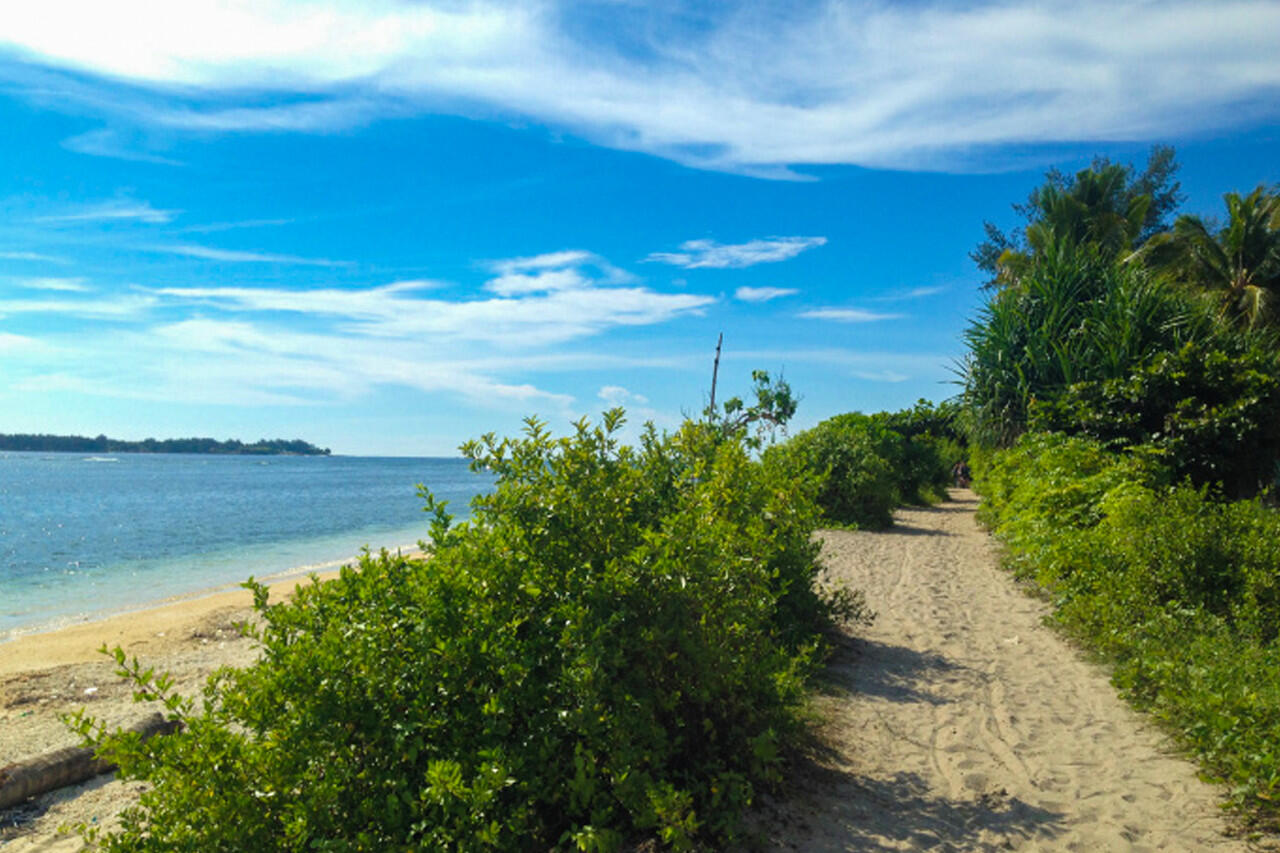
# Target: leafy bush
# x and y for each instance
(858, 486)
(1180, 590)
(1213, 409)
(934, 442)
(868, 467)
(1049, 482)
(614, 645)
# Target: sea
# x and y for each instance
(83, 536)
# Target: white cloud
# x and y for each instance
(616, 395)
(755, 87)
(246, 363)
(11, 344)
(543, 281)
(913, 293)
(64, 285)
(881, 375)
(553, 271)
(119, 210)
(694, 254)
(548, 260)
(284, 361)
(638, 412)
(535, 303)
(232, 256)
(230, 226)
(762, 294)
(848, 315)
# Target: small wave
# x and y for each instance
(100, 459)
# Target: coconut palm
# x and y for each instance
(1099, 205)
(1098, 209)
(1239, 264)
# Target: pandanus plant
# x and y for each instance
(1073, 316)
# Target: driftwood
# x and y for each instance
(64, 767)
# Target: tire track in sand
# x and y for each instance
(960, 722)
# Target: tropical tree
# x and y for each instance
(1107, 206)
(1074, 315)
(1238, 264)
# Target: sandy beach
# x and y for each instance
(957, 722)
(45, 675)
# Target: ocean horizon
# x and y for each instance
(86, 535)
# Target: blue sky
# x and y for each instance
(387, 227)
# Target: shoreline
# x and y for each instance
(45, 647)
(51, 623)
(80, 641)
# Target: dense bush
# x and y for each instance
(1179, 589)
(614, 646)
(858, 488)
(1212, 408)
(935, 441)
(868, 468)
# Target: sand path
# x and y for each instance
(960, 722)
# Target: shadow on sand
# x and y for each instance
(896, 673)
(896, 814)
(833, 809)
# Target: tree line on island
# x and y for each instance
(102, 444)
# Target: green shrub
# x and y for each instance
(869, 467)
(613, 647)
(1214, 409)
(1049, 482)
(858, 486)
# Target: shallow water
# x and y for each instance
(83, 534)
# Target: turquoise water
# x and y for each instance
(82, 535)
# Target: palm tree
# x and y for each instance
(1098, 209)
(1239, 263)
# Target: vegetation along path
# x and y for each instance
(959, 721)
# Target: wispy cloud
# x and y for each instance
(881, 375)
(696, 254)
(555, 271)
(65, 285)
(848, 315)
(10, 344)
(755, 87)
(32, 256)
(913, 293)
(638, 411)
(870, 365)
(762, 294)
(616, 395)
(122, 307)
(231, 226)
(233, 256)
(107, 142)
(111, 211)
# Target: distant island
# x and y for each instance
(102, 444)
